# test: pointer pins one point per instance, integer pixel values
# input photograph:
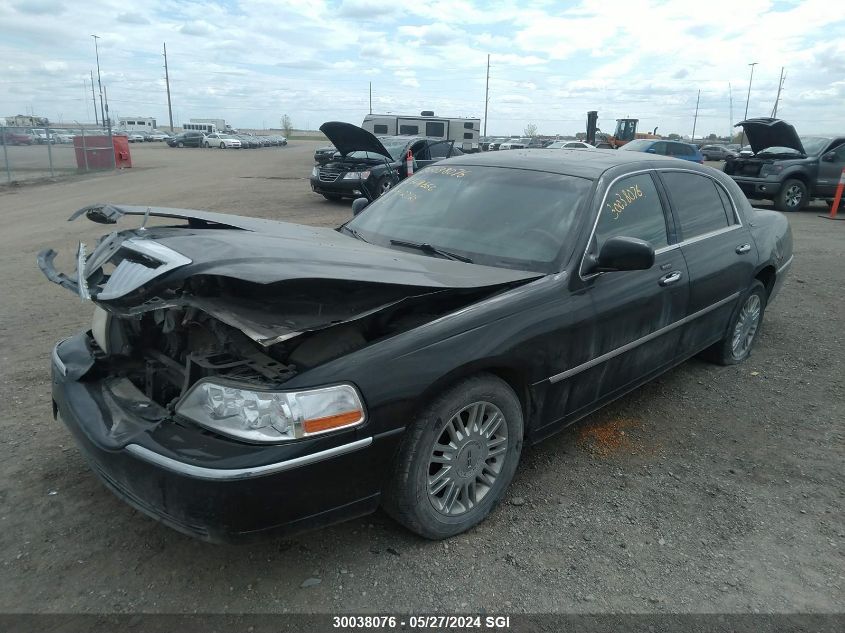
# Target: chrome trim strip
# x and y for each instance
(645, 339)
(58, 361)
(785, 265)
(236, 474)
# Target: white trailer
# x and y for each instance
(136, 123)
(464, 132)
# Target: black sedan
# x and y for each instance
(243, 375)
(190, 138)
(364, 165)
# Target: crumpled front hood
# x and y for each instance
(351, 138)
(766, 132)
(317, 276)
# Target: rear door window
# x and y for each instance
(440, 150)
(632, 208)
(679, 149)
(697, 204)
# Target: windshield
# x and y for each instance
(814, 144)
(640, 145)
(777, 149)
(396, 149)
(558, 144)
(511, 218)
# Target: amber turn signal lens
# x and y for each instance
(318, 425)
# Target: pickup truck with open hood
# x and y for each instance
(786, 168)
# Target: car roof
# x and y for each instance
(572, 162)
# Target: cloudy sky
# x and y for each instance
(251, 62)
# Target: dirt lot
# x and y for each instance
(712, 489)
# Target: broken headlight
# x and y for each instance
(271, 416)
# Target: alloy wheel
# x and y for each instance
(746, 326)
(467, 458)
(794, 195)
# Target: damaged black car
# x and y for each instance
(242, 376)
(363, 165)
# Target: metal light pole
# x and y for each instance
(486, 94)
(99, 80)
(747, 99)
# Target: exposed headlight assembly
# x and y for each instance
(315, 171)
(271, 416)
(356, 175)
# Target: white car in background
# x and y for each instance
(570, 145)
(63, 136)
(135, 137)
(223, 141)
(158, 135)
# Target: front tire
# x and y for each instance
(332, 197)
(792, 196)
(457, 458)
(383, 185)
(180, 144)
(743, 330)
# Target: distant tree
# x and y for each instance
(530, 130)
(287, 124)
(674, 137)
(712, 137)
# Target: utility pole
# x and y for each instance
(747, 99)
(99, 80)
(94, 99)
(486, 94)
(777, 99)
(371, 98)
(695, 120)
(731, 126)
(167, 81)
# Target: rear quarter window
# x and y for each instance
(697, 203)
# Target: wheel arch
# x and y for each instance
(767, 276)
(513, 376)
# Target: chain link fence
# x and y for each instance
(49, 152)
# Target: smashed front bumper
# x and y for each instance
(202, 484)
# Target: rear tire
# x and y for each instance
(743, 330)
(456, 459)
(792, 196)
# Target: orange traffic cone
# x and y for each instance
(409, 160)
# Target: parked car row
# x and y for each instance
(225, 140)
(141, 136)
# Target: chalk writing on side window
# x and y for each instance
(624, 198)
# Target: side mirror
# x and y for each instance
(622, 253)
(651, 150)
(358, 205)
(829, 157)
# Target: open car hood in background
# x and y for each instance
(766, 132)
(350, 138)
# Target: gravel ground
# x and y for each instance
(712, 489)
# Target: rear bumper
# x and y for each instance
(206, 486)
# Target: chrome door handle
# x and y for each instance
(742, 249)
(670, 278)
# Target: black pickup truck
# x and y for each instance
(786, 168)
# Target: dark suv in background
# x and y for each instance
(716, 152)
(786, 168)
(191, 138)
